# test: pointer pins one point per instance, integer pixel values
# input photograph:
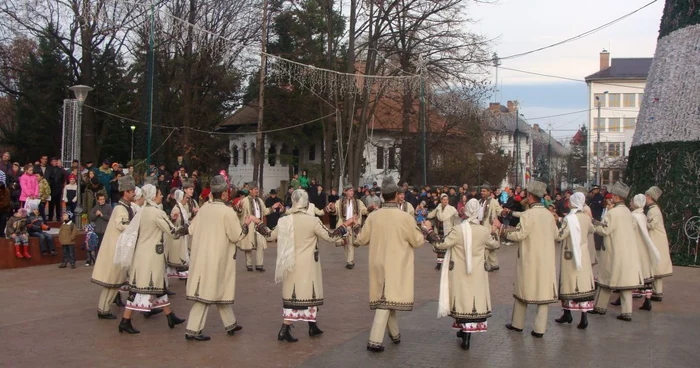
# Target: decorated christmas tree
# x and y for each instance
(666, 145)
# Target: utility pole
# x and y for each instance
(422, 118)
(258, 160)
(549, 159)
(517, 148)
(151, 71)
(597, 171)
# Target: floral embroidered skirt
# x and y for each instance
(578, 305)
(304, 315)
(146, 302)
(470, 326)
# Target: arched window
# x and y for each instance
(235, 155)
(272, 155)
(245, 153)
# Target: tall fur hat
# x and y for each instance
(252, 184)
(187, 183)
(151, 180)
(218, 184)
(620, 189)
(389, 185)
(537, 188)
(654, 192)
(127, 183)
(347, 187)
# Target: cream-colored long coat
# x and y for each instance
(341, 208)
(621, 269)
(392, 236)
(645, 264)
(215, 232)
(106, 273)
(408, 208)
(254, 240)
(303, 286)
(494, 211)
(576, 284)
(447, 215)
(175, 248)
(147, 271)
(470, 296)
(535, 267)
(657, 232)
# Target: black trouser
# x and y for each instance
(69, 254)
(4, 216)
(56, 194)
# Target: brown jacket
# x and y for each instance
(67, 233)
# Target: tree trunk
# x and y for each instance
(666, 145)
(330, 122)
(187, 79)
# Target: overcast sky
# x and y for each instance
(522, 25)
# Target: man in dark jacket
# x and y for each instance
(56, 177)
(275, 213)
(35, 227)
(100, 215)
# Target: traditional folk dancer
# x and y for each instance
(147, 270)
(447, 217)
(576, 284)
(620, 257)
(392, 236)
(139, 201)
(252, 205)
(177, 250)
(346, 208)
(299, 265)
(405, 205)
(105, 273)
(215, 231)
(657, 231)
(464, 289)
(648, 254)
(535, 268)
(591, 237)
(490, 210)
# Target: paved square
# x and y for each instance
(49, 320)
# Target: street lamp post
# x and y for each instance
(81, 93)
(133, 127)
(479, 156)
(598, 180)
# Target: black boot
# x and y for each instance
(173, 320)
(199, 337)
(565, 318)
(616, 303)
(466, 340)
(232, 332)
(125, 326)
(314, 330)
(118, 300)
(153, 312)
(438, 266)
(285, 334)
(584, 321)
(647, 305)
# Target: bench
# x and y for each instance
(8, 259)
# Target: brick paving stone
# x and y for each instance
(49, 320)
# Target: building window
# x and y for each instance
(614, 99)
(392, 159)
(599, 99)
(596, 124)
(640, 98)
(615, 149)
(312, 152)
(380, 157)
(629, 123)
(436, 160)
(235, 155)
(608, 177)
(628, 100)
(245, 153)
(614, 124)
(595, 149)
(272, 155)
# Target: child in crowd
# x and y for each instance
(36, 227)
(70, 194)
(421, 212)
(16, 229)
(92, 242)
(67, 235)
(44, 193)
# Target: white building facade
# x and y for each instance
(501, 124)
(616, 92)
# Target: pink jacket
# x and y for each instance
(30, 187)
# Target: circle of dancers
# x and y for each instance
(143, 247)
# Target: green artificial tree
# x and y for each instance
(666, 145)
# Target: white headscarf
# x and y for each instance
(471, 210)
(149, 192)
(286, 246)
(638, 213)
(577, 201)
(138, 193)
